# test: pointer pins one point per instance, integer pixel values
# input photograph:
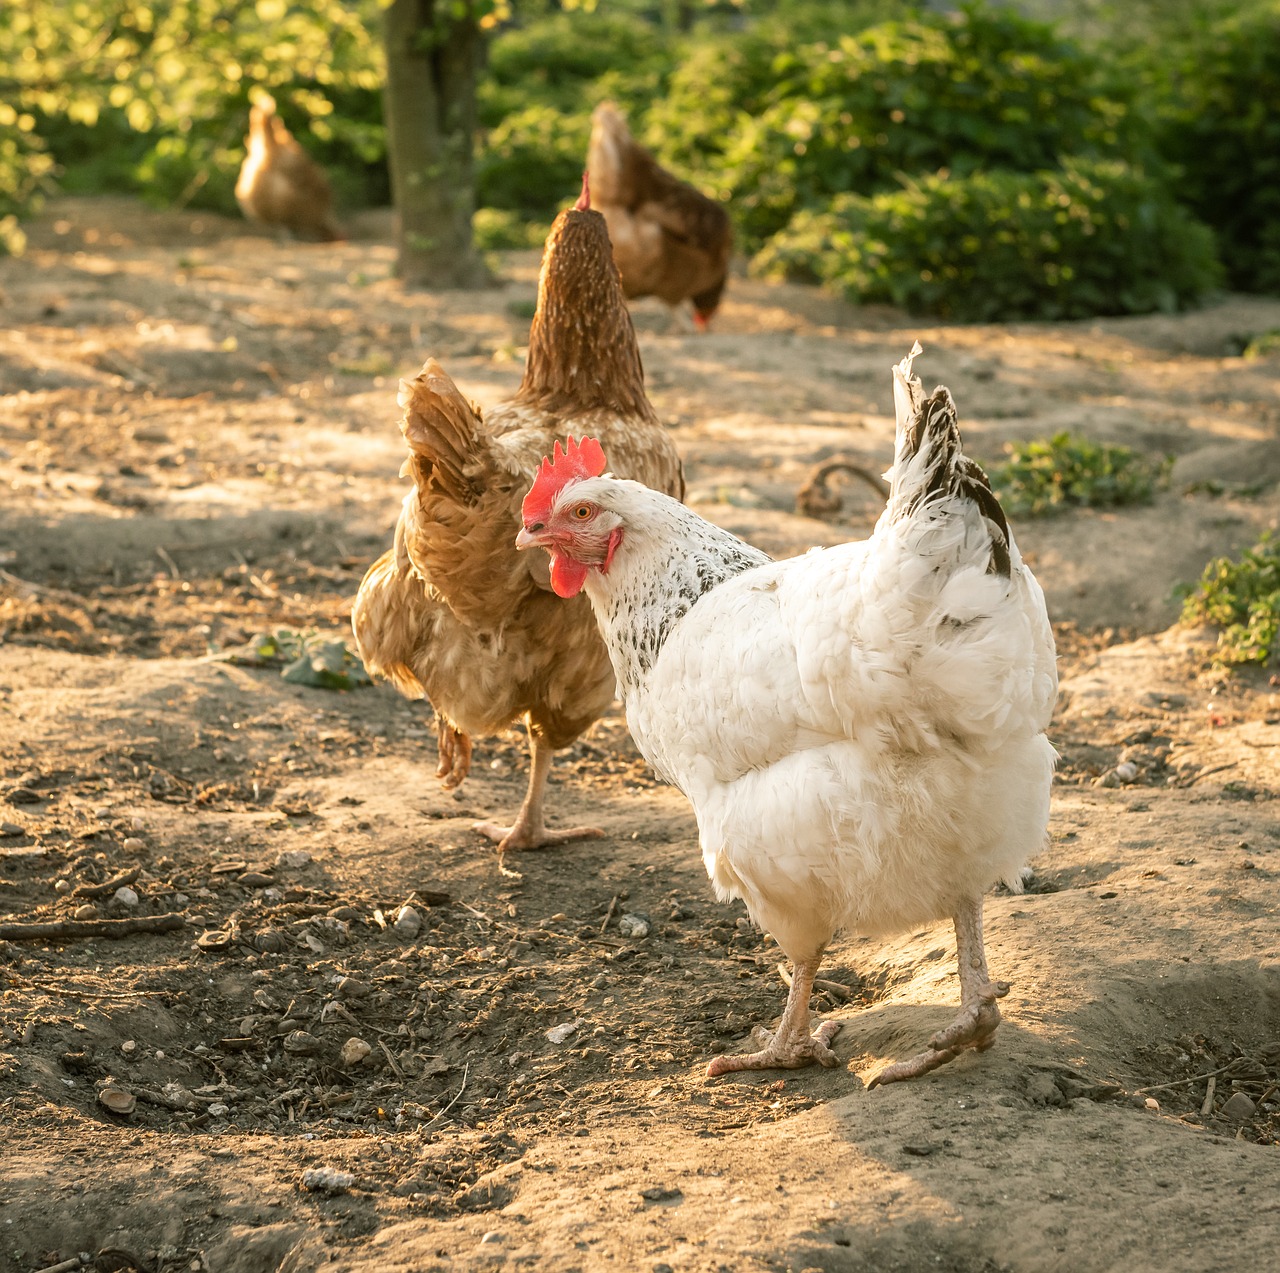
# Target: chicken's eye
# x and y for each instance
(582, 512)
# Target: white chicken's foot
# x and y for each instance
(975, 1027)
(528, 831)
(792, 1045)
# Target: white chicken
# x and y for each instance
(860, 730)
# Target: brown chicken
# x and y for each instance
(453, 612)
(669, 240)
(280, 185)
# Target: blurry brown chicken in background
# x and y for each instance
(280, 185)
(453, 612)
(669, 240)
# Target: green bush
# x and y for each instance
(532, 162)
(25, 169)
(1243, 599)
(1222, 126)
(1090, 238)
(495, 228)
(152, 96)
(558, 62)
(967, 91)
(1070, 472)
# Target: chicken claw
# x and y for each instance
(792, 1045)
(974, 1028)
(782, 1052)
(455, 755)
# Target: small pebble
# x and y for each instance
(492, 1236)
(62, 886)
(10, 828)
(408, 922)
(102, 811)
(1239, 1107)
(293, 858)
(137, 824)
(327, 1179)
(633, 926)
(353, 1052)
(87, 911)
(128, 1047)
(134, 845)
(1152, 1104)
(300, 1043)
(117, 1100)
(125, 896)
(254, 879)
(217, 1111)
(350, 988)
(559, 1033)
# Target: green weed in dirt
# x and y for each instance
(1243, 599)
(1064, 471)
(304, 658)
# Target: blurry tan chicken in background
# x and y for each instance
(669, 240)
(280, 185)
(453, 612)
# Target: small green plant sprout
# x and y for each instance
(304, 658)
(1243, 599)
(1064, 471)
(1263, 345)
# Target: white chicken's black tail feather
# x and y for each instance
(929, 465)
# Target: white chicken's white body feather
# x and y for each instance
(860, 730)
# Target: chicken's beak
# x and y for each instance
(529, 539)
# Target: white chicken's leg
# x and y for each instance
(791, 1045)
(529, 831)
(975, 1027)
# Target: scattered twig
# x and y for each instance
(1204, 773)
(816, 499)
(1195, 1078)
(75, 929)
(63, 1266)
(28, 589)
(608, 915)
(107, 887)
(170, 564)
(84, 992)
(1206, 1107)
(391, 1061)
(819, 983)
(461, 1088)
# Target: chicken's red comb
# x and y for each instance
(577, 461)
(584, 199)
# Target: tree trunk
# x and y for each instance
(433, 60)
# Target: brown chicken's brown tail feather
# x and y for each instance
(442, 429)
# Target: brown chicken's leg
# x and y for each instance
(455, 754)
(791, 1045)
(529, 831)
(975, 1027)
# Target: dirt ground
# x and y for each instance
(198, 443)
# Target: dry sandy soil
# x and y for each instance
(198, 443)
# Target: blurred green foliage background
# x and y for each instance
(1052, 159)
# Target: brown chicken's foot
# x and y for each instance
(520, 836)
(781, 1052)
(455, 755)
(974, 1028)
